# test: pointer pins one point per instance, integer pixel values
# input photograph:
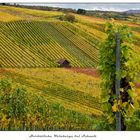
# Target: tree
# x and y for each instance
(3, 3)
(81, 11)
(128, 72)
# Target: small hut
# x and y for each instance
(63, 63)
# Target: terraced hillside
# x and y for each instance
(72, 98)
(29, 42)
(72, 95)
(73, 90)
(35, 38)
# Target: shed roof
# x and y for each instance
(62, 60)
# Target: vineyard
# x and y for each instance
(41, 43)
(31, 43)
(42, 39)
(69, 93)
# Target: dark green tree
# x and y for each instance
(81, 11)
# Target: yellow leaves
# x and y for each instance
(23, 13)
(110, 119)
(3, 118)
(6, 17)
(130, 109)
(131, 84)
(114, 108)
(120, 105)
(106, 28)
(132, 106)
(75, 81)
(4, 122)
(116, 105)
(33, 120)
(125, 104)
(121, 90)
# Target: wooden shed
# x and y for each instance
(63, 63)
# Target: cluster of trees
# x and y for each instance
(4, 4)
(70, 17)
(81, 11)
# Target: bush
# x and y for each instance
(61, 18)
(70, 18)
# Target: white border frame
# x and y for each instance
(99, 135)
(71, 1)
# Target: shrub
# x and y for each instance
(70, 18)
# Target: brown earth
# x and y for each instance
(2, 70)
(91, 72)
(87, 71)
(137, 85)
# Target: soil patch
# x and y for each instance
(137, 85)
(2, 70)
(92, 72)
(87, 71)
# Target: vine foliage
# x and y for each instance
(128, 73)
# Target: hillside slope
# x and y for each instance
(29, 42)
(74, 91)
(35, 38)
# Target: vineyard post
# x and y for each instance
(118, 113)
